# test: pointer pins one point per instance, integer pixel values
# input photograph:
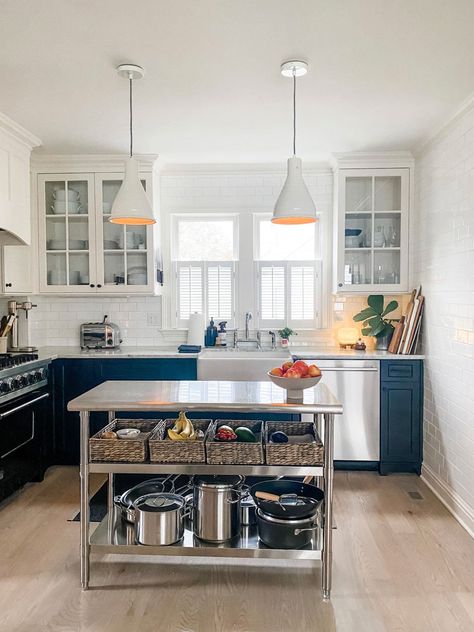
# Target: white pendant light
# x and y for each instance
(294, 204)
(131, 205)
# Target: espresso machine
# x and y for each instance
(14, 310)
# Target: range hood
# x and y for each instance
(8, 238)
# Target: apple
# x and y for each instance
(277, 371)
(286, 365)
(314, 371)
(292, 374)
(301, 367)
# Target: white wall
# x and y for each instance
(442, 260)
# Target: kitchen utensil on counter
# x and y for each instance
(308, 497)
(102, 335)
(159, 518)
(217, 510)
(196, 329)
(278, 533)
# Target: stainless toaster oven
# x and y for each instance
(102, 335)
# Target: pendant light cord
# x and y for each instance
(294, 111)
(130, 79)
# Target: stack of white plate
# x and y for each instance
(59, 202)
(137, 275)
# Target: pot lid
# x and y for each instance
(159, 503)
(212, 481)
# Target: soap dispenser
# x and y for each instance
(211, 334)
(222, 333)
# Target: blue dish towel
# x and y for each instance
(189, 348)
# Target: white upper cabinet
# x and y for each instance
(80, 251)
(371, 230)
(16, 144)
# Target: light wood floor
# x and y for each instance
(400, 565)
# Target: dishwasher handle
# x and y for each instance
(368, 369)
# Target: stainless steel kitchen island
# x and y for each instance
(173, 396)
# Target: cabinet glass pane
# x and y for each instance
(56, 269)
(55, 196)
(359, 194)
(56, 233)
(113, 235)
(388, 193)
(386, 267)
(79, 268)
(110, 188)
(114, 268)
(357, 267)
(358, 230)
(137, 269)
(136, 237)
(387, 230)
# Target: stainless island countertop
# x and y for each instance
(195, 395)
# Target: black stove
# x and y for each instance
(8, 360)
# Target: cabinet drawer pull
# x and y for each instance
(92, 285)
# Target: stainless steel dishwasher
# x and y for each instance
(356, 384)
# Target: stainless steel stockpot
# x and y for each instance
(159, 518)
(217, 507)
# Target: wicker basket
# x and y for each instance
(125, 450)
(164, 450)
(310, 453)
(235, 452)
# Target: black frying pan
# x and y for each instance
(309, 498)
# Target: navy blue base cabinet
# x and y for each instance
(401, 416)
(72, 377)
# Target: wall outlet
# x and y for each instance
(153, 318)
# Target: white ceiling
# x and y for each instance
(383, 74)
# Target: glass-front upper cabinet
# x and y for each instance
(125, 258)
(81, 252)
(67, 233)
(372, 230)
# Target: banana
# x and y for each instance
(180, 423)
(188, 429)
(174, 436)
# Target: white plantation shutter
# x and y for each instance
(220, 291)
(288, 294)
(189, 290)
(272, 292)
(302, 292)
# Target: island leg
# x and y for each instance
(84, 472)
(328, 486)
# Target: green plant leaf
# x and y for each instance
(375, 301)
(390, 307)
(364, 314)
(366, 332)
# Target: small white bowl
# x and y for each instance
(294, 386)
(128, 433)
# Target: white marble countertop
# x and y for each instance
(302, 351)
(122, 352)
(201, 395)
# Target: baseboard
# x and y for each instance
(463, 513)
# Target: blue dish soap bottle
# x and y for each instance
(211, 334)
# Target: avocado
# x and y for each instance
(245, 434)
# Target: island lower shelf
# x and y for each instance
(115, 536)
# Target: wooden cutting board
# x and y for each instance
(397, 336)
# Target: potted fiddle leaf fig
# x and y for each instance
(375, 322)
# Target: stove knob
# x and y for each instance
(30, 377)
(41, 374)
(8, 384)
(12, 383)
(4, 388)
(22, 381)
